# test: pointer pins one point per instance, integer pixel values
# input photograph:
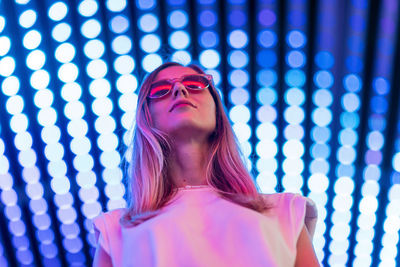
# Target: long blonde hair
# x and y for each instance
(149, 185)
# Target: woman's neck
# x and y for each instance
(187, 164)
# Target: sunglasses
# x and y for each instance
(192, 82)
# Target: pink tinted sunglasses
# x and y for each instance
(192, 82)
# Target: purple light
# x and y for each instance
(237, 18)
(373, 157)
(266, 17)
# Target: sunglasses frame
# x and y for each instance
(173, 81)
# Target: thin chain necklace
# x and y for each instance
(193, 186)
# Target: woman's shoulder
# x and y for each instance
(108, 219)
(278, 200)
(293, 208)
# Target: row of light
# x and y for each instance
(348, 137)
(238, 73)
(321, 118)
(391, 225)
(266, 97)
(74, 109)
(23, 142)
(375, 140)
(208, 39)
(294, 98)
(98, 76)
(51, 133)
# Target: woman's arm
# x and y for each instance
(305, 251)
(101, 258)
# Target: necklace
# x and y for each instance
(193, 186)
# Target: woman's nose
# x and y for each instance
(179, 88)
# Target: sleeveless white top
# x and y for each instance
(199, 228)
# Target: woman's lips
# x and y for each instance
(182, 105)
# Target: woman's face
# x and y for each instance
(183, 120)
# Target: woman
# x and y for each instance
(192, 201)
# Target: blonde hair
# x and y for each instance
(148, 183)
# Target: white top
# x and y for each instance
(199, 228)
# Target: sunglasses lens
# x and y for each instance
(191, 82)
(159, 90)
(195, 82)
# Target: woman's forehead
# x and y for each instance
(174, 72)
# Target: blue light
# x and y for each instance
(267, 78)
(375, 140)
(322, 116)
(124, 64)
(148, 22)
(354, 64)
(379, 104)
(320, 134)
(266, 58)
(266, 96)
(2, 23)
(91, 28)
(61, 32)
(324, 60)
(239, 114)
(65, 53)
(119, 24)
(350, 102)
(94, 49)
(296, 39)
(320, 151)
(209, 58)
(88, 8)
(121, 44)
(58, 11)
(150, 43)
(376, 122)
(209, 39)
(352, 83)
(40, 79)
(348, 137)
(345, 170)
(381, 86)
(294, 115)
(145, 4)
(295, 78)
(296, 59)
(179, 40)
(27, 19)
(151, 62)
(323, 79)
(237, 18)
(238, 78)
(116, 5)
(267, 39)
(5, 45)
(178, 19)
(208, 18)
(238, 58)
(294, 96)
(32, 39)
(36, 59)
(238, 39)
(266, 17)
(176, 2)
(67, 73)
(349, 120)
